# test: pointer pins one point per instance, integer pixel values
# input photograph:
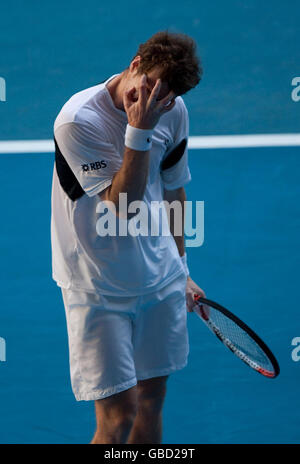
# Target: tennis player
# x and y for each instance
(126, 296)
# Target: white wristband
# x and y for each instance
(184, 262)
(138, 139)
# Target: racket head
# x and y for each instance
(267, 365)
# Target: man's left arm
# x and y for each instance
(179, 195)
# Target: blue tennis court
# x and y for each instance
(250, 257)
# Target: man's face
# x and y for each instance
(152, 76)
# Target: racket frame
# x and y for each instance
(211, 325)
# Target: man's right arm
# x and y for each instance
(131, 178)
(143, 115)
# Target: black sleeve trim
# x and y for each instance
(67, 179)
(66, 176)
(174, 156)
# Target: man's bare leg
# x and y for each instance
(147, 427)
(115, 416)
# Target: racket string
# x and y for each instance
(240, 339)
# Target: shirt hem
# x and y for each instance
(102, 291)
(99, 187)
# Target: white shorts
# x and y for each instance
(116, 341)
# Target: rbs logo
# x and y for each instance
(94, 166)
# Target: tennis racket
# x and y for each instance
(237, 336)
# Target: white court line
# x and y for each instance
(244, 141)
(26, 146)
(195, 142)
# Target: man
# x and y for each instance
(125, 295)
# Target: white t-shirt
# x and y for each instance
(89, 135)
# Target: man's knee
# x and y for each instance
(119, 409)
(151, 394)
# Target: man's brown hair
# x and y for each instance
(175, 54)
